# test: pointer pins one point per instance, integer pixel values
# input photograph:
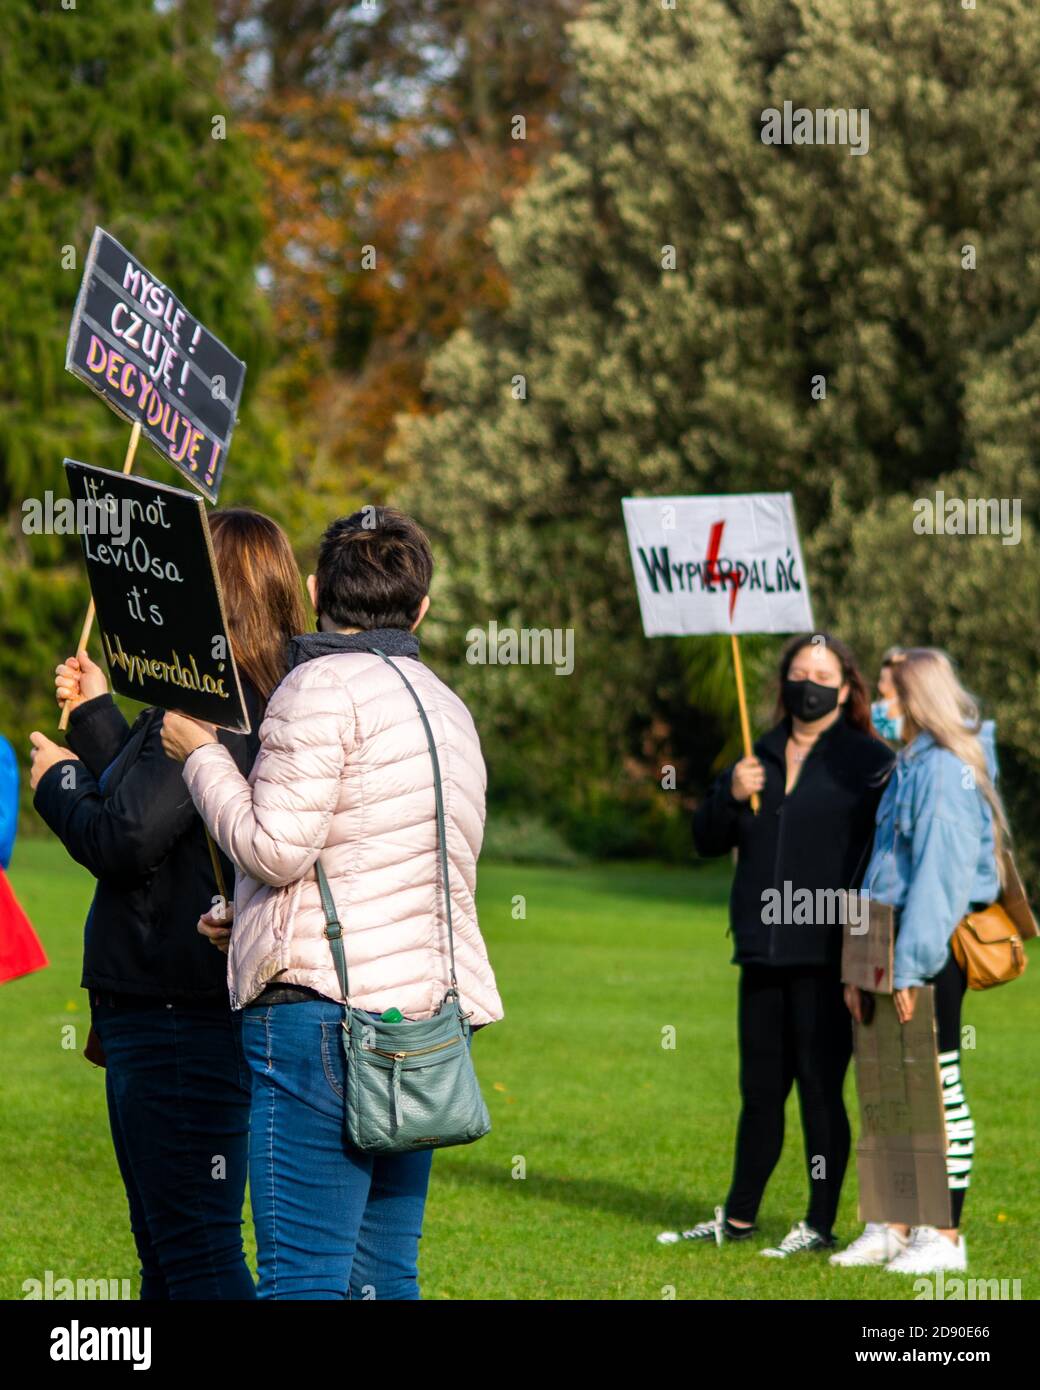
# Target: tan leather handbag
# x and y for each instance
(987, 945)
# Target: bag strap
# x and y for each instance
(333, 927)
(442, 836)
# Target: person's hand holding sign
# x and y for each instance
(181, 735)
(749, 776)
(45, 753)
(78, 679)
(215, 926)
(860, 1003)
(905, 1001)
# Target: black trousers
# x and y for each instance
(793, 1028)
(950, 985)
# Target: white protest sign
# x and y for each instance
(718, 564)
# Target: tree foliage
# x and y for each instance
(106, 117)
(612, 374)
(385, 138)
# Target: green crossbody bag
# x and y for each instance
(410, 1085)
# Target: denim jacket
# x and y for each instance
(933, 853)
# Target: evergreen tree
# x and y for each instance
(914, 572)
(694, 311)
(107, 116)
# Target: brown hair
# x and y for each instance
(857, 706)
(374, 570)
(263, 595)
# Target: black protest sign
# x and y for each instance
(139, 348)
(152, 574)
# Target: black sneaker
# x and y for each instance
(718, 1230)
(800, 1237)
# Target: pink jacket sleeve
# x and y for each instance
(274, 826)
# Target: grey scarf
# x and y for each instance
(395, 641)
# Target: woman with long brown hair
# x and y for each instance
(176, 1080)
(817, 774)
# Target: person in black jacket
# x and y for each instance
(176, 1079)
(819, 774)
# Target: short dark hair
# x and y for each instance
(374, 569)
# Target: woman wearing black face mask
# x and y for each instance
(819, 774)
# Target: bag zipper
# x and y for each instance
(415, 1051)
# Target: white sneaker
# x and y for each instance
(928, 1252)
(800, 1237)
(877, 1245)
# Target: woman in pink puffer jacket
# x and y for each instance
(344, 771)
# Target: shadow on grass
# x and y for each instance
(597, 1194)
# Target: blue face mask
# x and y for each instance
(887, 726)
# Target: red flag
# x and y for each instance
(20, 948)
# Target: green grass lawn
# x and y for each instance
(601, 1137)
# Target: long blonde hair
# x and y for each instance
(935, 702)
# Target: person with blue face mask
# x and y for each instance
(938, 853)
(886, 713)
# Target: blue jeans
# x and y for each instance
(331, 1222)
(178, 1103)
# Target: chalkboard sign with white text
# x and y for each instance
(138, 347)
(152, 573)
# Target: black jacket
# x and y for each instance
(139, 835)
(819, 837)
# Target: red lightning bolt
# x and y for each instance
(712, 564)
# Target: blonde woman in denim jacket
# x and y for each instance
(937, 850)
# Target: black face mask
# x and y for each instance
(808, 701)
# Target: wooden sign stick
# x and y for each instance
(88, 621)
(745, 724)
(214, 859)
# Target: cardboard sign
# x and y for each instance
(901, 1154)
(152, 574)
(867, 956)
(718, 564)
(137, 346)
